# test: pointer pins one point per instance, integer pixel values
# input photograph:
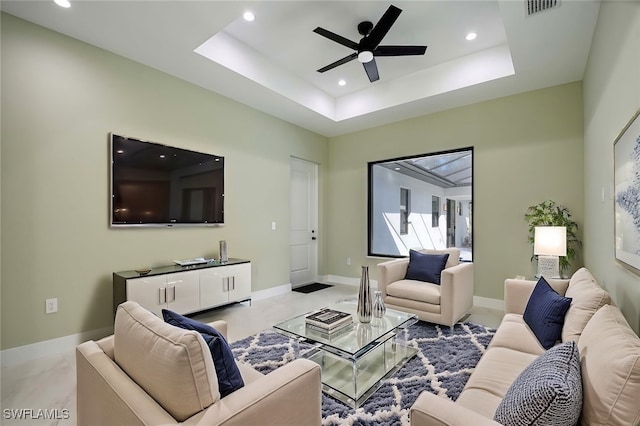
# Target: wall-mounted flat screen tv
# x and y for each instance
(158, 185)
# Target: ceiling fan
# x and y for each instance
(369, 46)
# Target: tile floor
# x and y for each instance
(49, 382)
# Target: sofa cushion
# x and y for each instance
(425, 311)
(586, 298)
(545, 312)
(229, 377)
(415, 290)
(172, 365)
(490, 381)
(426, 267)
(514, 334)
(610, 359)
(547, 392)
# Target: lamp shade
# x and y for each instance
(550, 241)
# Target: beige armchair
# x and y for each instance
(158, 374)
(441, 304)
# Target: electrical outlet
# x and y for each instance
(348, 261)
(51, 306)
(273, 226)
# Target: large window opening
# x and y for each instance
(436, 199)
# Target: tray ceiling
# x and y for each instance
(270, 64)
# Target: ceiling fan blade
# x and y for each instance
(339, 62)
(372, 70)
(337, 38)
(382, 27)
(399, 50)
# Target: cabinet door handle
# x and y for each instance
(225, 284)
(162, 295)
(233, 282)
(173, 292)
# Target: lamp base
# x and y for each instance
(548, 266)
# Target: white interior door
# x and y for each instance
(304, 222)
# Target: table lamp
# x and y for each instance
(550, 242)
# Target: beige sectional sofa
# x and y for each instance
(152, 373)
(609, 354)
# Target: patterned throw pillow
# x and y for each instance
(547, 392)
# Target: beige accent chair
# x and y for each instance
(441, 304)
(152, 373)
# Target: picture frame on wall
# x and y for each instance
(626, 149)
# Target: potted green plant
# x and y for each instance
(548, 213)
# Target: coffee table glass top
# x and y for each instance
(353, 338)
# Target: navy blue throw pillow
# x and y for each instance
(229, 378)
(545, 313)
(426, 267)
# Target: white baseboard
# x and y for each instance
(51, 347)
(270, 292)
(347, 280)
(485, 302)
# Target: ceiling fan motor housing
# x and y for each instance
(365, 27)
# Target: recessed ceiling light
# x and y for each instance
(471, 36)
(62, 3)
(342, 82)
(249, 16)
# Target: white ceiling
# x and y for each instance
(270, 64)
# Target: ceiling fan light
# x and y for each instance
(365, 56)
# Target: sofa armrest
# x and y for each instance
(390, 272)
(456, 292)
(291, 394)
(430, 409)
(517, 293)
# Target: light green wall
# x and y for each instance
(60, 100)
(611, 97)
(527, 148)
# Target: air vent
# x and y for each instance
(536, 6)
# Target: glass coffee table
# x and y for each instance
(355, 359)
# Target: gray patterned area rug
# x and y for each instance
(442, 366)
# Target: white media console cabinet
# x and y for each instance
(185, 289)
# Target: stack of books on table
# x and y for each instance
(328, 320)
